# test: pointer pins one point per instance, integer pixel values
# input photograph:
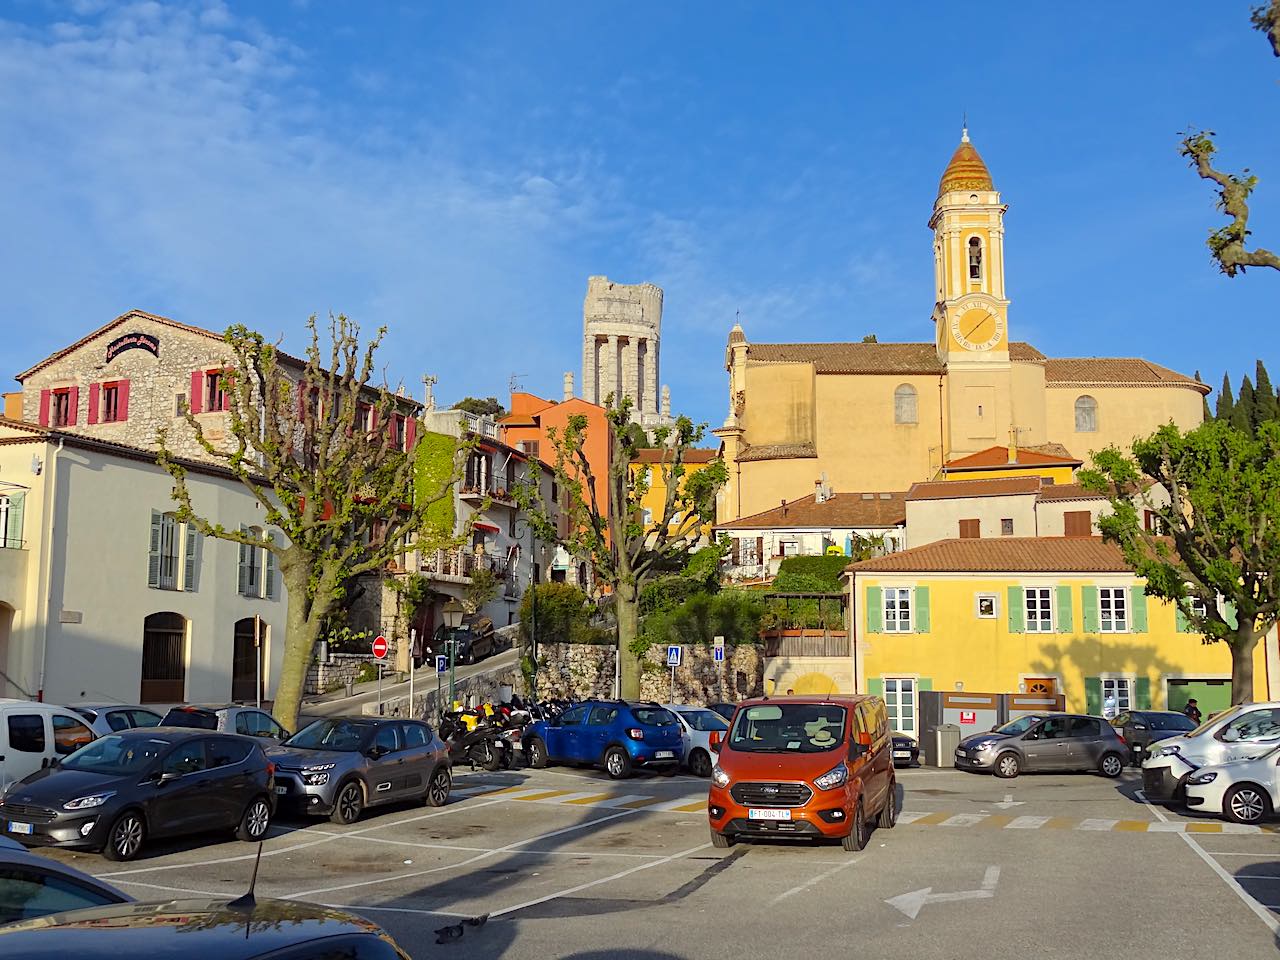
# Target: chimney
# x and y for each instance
(819, 494)
(1013, 444)
(568, 385)
(784, 508)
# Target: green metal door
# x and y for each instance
(1211, 695)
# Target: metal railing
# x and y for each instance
(462, 563)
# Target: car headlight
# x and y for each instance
(833, 778)
(719, 777)
(984, 744)
(1161, 751)
(1202, 778)
(315, 779)
(87, 803)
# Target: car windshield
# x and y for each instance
(115, 755)
(186, 717)
(344, 736)
(704, 720)
(1169, 721)
(653, 716)
(1213, 721)
(1018, 725)
(788, 728)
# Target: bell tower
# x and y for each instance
(971, 313)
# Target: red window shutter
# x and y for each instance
(44, 408)
(197, 391)
(122, 400)
(93, 401)
(970, 529)
(73, 406)
(759, 549)
(226, 388)
(410, 433)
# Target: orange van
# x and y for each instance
(804, 767)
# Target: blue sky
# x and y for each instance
(456, 171)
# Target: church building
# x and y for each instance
(973, 402)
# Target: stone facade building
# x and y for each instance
(621, 336)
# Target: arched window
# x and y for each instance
(904, 404)
(164, 658)
(1086, 414)
(975, 258)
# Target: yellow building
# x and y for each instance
(1048, 615)
(882, 416)
(649, 460)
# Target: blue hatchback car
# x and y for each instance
(614, 734)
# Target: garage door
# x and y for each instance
(1210, 695)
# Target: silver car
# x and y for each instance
(232, 718)
(336, 767)
(104, 718)
(1060, 741)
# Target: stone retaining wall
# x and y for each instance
(580, 671)
(340, 668)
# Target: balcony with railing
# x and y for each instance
(494, 491)
(458, 565)
(457, 423)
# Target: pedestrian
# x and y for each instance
(790, 692)
(1109, 706)
(1192, 711)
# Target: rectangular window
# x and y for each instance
(985, 605)
(168, 552)
(900, 700)
(110, 403)
(897, 610)
(1117, 696)
(26, 732)
(747, 555)
(63, 415)
(398, 438)
(790, 548)
(1006, 527)
(1198, 607)
(1077, 523)
(1152, 523)
(215, 397)
(970, 529)
(1113, 609)
(1039, 606)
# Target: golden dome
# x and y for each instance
(966, 171)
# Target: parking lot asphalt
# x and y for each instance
(568, 864)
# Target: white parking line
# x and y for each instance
(814, 881)
(963, 820)
(1027, 823)
(544, 853)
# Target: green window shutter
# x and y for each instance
(246, 565)
(1066, 616)
(153, 559)
(875, 609)
(922, 609)
(1180, 617)
(1142, 693)
(191, 560)
(11, 536)
(924, 683)
(1138, 611)
(1017, 610)
(1093, 695)
(1229, 614)
(875, 686)
(269, 571)
(1089, 608)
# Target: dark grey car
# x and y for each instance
(1058, 742)
(338, 766)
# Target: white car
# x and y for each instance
(1241, 733)
(33, 735)
(699, 726)
(1244, 791)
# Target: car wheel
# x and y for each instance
(700, 763)
(125, 837)
(255, 822)
(1007, 765)
(857, 837)
(617, 764)
(721, 841)
(438, 787)
(1111, 765)
(1245, 803)
(888, 816)
(536, 751)
(349, 803)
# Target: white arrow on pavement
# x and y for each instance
(1008, 802)
(911, 903)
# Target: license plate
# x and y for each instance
(902, 754)
(754, 814)
(282, 790)
(18, 827)
(664, 755)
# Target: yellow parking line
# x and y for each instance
(1203, 828)
(995, 820)
(500, 792)
(596, 799)
(1062, 823)
(637, 804)
(547, 795)
(933, 819)
(1131, 826)
(692, 807)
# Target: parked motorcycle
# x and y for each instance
(473, 738)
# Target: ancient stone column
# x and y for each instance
(651, 376)
(590, 376)
(631, 370)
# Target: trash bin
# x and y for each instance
(351, 687)
(946, 737)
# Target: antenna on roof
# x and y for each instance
(513, 382)
(964, 127)
(247, 901)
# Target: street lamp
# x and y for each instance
(453, 612)
(533, 609)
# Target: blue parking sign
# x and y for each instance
(673, 655)
(719, 652)
(442, 663)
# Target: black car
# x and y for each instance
(906, 752)
(118, 791)
(1141, 728)
(199, 929)
(32, 885)
(474, 640)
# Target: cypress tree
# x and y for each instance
(1206, 414)
(1225, 403)
(1265, 406)
(1242, 414)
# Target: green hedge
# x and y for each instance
(814, 570)
(732, 614)
(564, 613)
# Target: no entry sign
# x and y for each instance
(380, 647)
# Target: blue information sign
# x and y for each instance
(719, 651)
(673, 655)
(442, 663)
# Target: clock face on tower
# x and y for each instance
(977, 328)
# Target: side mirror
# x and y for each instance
(994, 729)
(375, 753)
(714, 741)
(168, 777)
(856, 751)
(1139, 726)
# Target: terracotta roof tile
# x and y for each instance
(999, 457)
(887, 358)
(956, 489)
(839, 510)
(1067, 491)
(1002, 555)
(1115, 371)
